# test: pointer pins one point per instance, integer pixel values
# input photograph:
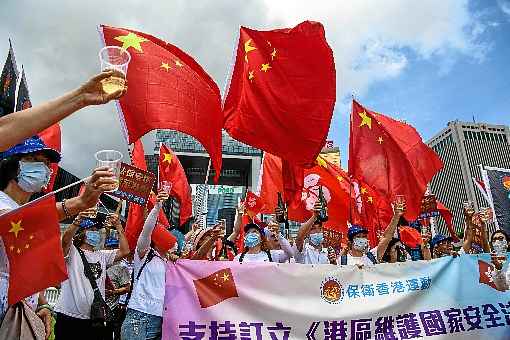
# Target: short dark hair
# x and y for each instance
(9, 169)
(500, 231)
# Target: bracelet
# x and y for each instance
(47, 306)
(64, 208)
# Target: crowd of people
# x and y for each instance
(126, 289)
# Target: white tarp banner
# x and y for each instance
(448, 298)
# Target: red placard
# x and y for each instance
(135, 184)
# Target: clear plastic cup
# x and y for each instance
(117, 59)
(110, 159)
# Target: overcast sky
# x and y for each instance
(427, 62)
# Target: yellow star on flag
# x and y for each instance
(178, 63)
(165, 66)
(18, 251)
(131, 40)
(340, 178)
(11, 248)
(225, 277)
(16, 228)
(248, 47)
(370, 199)
(366, 120)
(265, 67)
(168, 158)
(363, 190)
(321, 162)
(250, 75)
(273, 54)
(380, 140)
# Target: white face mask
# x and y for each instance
(360, 244)
(33, 176)
(500, 247)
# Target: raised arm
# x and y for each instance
(304, 230)
(237, 223)
(144, 240)
(469, 231)
(67, 237)
(21, 125)
(398, 211)
(123, 250)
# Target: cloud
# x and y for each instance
(504, 5)
(57, 41)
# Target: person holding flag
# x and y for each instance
(358, 252)
(154, 247)
(24, 170)
(311, 252)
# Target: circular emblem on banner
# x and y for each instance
(332, 290)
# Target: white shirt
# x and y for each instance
(7, 204)
(76, 295)
(310, 255)
(278, 256)
(149, 290)
(363, 260)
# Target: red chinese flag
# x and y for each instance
(447, 216)
(390, 157)
(170, 169)
(253, 204)
(168, 89)
(282, 91)
(216, 288)
(31, 236)
(485, 269)
(52, 137)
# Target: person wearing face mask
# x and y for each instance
(256, 248)
(82, 238)
(500, 247)
(155, 246)
(312, 251)
(24, 170)
(358, 248)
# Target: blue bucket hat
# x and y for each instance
(438, 239)
(31, 145)
(355, 230)
(254, 226)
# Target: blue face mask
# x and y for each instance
(92, 237)
(251, 240)
(316, 239)
(33, 176)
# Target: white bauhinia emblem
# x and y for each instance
(490, 274)
(310, 193)
(251, 202)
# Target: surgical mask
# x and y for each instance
(316, 239)
(33, 176)
(92, 237)
(360, 244)
(500, 247)
(251, 240)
